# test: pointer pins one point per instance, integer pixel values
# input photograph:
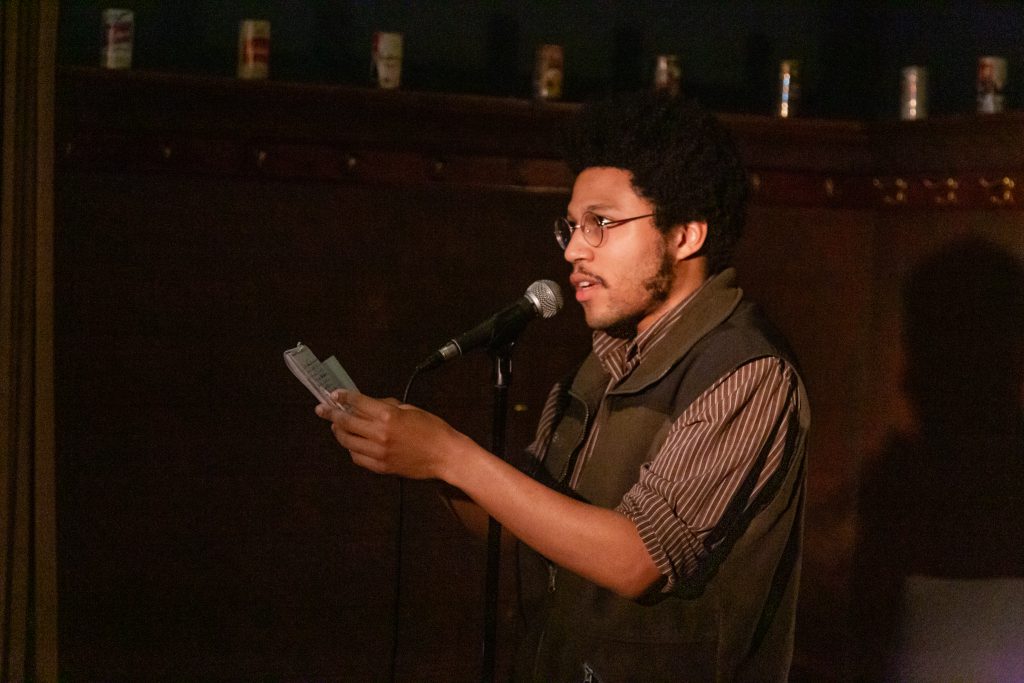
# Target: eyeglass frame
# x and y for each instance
(601, 222)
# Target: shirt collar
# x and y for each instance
(620, 357)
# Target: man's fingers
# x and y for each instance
(356, 442)
(372, 408)
(367, 462)
(365, 427)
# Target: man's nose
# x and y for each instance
(578, 248)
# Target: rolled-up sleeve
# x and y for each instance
(710, 449)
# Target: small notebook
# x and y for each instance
(320, 377)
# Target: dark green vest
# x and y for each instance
(734, 620)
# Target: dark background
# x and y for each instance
(851, 51)
(209, 527)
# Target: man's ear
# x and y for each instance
(688, 238)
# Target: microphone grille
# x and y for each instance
(546, 295)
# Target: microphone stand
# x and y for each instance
(502, 376)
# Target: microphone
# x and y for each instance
(543, 298)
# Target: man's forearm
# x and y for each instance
(599, 544)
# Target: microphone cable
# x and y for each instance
(545, 297)
(397, 609)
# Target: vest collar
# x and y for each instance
(708, 308)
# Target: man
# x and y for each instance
(664, 509)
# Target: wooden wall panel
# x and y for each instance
(901, 246)
(211, 528)
(209, 523)
(811, 270)
(834, 281)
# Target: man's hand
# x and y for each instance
(388, 437)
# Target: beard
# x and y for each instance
(658, 287)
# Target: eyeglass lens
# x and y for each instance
(592, 230)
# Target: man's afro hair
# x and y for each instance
(682, 160)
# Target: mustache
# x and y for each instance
(579, 270)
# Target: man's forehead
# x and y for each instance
(602, 187)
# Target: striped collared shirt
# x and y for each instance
(682, 493)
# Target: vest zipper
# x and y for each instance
(589, 675)
(570, 462)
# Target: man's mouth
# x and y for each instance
(580, 279)
(583, 283)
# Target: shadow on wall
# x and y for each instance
(941, 509)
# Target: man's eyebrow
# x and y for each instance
(592, 208)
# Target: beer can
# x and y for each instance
(253, 48)
(990, 84)
(789, 88)
(913, 93)
(667, 74)
(117, 39)
(386, 59)
(548, 72)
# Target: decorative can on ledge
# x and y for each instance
(253, 49)
(386, 59)
(913, 93)
(548, 73)
(118, 38)
(668, 74)
(990, 85)
(789, 88)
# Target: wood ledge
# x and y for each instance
(145, 122)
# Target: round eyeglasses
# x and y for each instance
(593, 228)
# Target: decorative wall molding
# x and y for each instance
(171, 123)
(904, 191)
